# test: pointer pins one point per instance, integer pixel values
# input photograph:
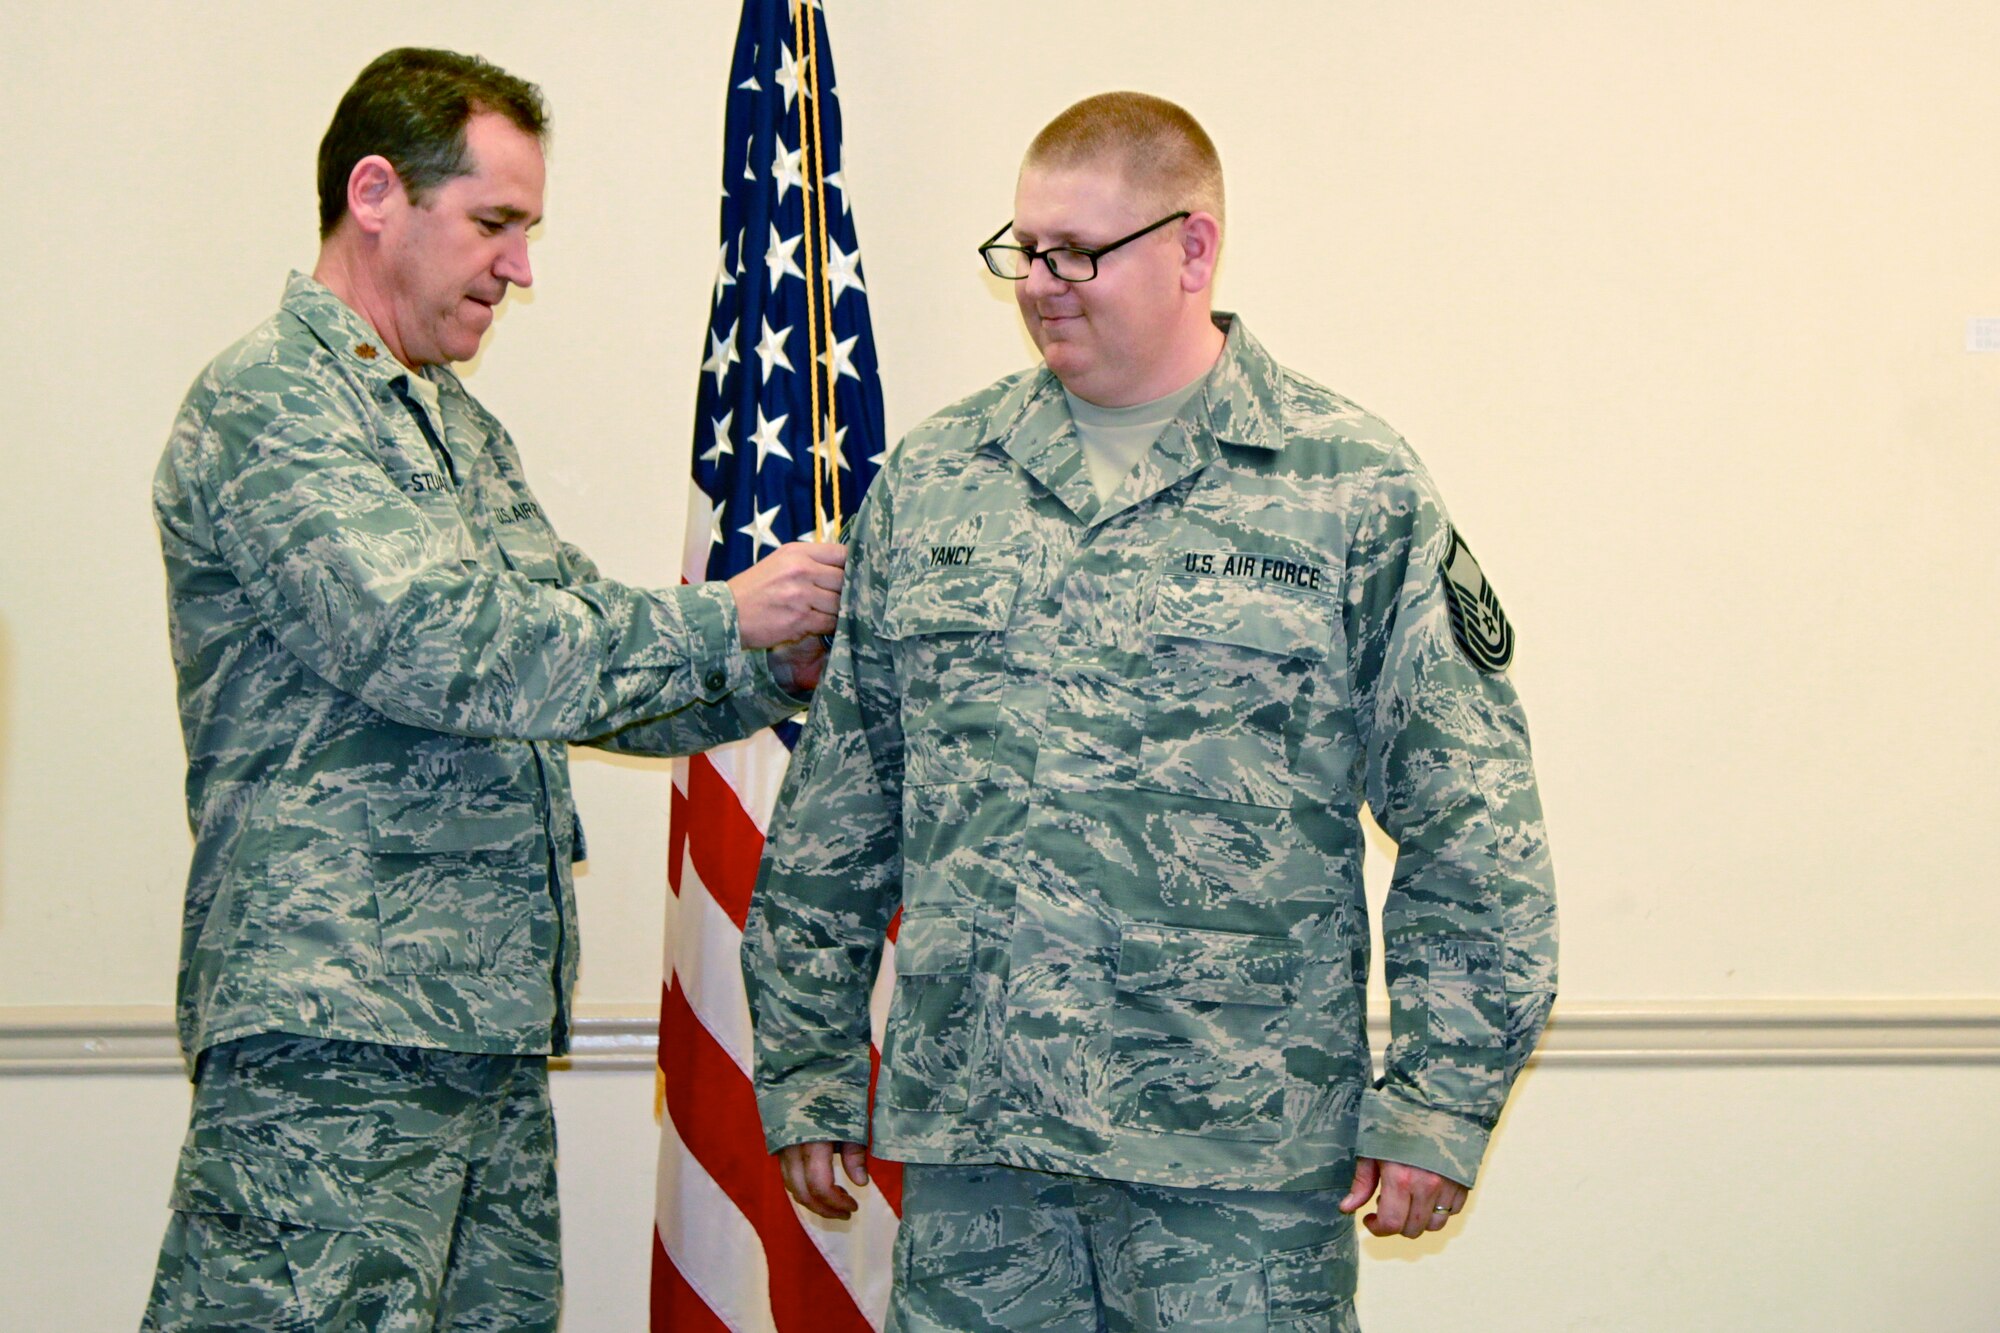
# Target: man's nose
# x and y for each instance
(1042, 280)
(513, 266)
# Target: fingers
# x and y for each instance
(854, 1158)
(790, 593)
(825, 553)
(797, 666)
(1365, 1171)
(807, 1170)
(1413, 1201)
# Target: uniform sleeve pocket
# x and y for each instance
(1465, 993)
(1451, 1005)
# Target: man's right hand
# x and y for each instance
(790, 593)
(807, 1169)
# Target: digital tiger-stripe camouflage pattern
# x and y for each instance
(1109, 759)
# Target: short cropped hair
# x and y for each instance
(411, 106)
(1162, 149)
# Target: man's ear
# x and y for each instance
(1201, 247)
(374, 191)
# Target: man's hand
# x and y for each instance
(796, 665)
(1413, 1200)
(790, 593)
(807, 1169)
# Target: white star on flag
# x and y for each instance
(723, 278)
(843, 269)
(778, 258)
(722, 355)
(771, 349)
(833, 178)
(768, 437)
(839, 359)
(835, 438)
(786, 170)
(790, 70)
(758, 529)
(723, 444)
(715, 537)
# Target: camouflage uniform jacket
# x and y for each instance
(381, 648)
(1109, 760)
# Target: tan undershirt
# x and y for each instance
(1115, 438)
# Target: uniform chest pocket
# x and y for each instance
(945, 628)
(446, 536)
(1233, 672)
(531, 549)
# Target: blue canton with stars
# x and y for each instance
(753, 449)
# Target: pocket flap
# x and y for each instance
(934, 941)
(530, 551)
(420, 823)
(408, 1194)
(1261, 617)
(243, 1184)
(1309, 1281)
(1215, 966)
(967, 600)
(1465, 992)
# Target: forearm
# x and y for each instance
(702, 725)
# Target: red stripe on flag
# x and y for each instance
(726, 853)
(676, 1306)
(715, 1113)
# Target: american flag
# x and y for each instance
(788, 433)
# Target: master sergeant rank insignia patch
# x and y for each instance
(1477, 621)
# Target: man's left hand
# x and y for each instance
(1413, 1200)
(796, 666)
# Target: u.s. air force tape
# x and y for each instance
(1477, 621)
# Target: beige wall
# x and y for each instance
(1671, 297)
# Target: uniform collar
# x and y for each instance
(341, 330)
(355, 344)
(1237, 404)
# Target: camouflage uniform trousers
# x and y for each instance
(332, 1185)
(1006, 1248)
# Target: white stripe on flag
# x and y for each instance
(713, 1246)
(706, 959)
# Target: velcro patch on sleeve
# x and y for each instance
(1477, 621)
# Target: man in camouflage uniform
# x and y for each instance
(382, 649)
(1128, 639)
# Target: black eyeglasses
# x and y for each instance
(1069, 263)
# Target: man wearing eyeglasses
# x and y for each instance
(1129, 638)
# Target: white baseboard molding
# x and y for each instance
(139, 1039)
